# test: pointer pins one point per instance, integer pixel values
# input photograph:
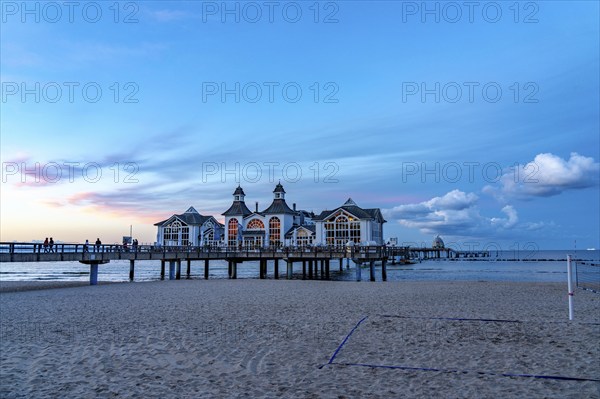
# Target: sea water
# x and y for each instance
(542, 266)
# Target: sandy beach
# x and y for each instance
(307, 339)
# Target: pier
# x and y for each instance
(316, 262)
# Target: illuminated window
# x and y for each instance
(340, 229)
(274, 231)
(255, 224)
(176, 234)
(303, 237)
(232, 232)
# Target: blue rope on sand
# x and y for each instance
(547, 377)
(454, 318)
(339, 348)
(483, 320)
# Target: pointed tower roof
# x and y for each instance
(239, 191)
(279, 188)
(349, 202)
(279, 206)
(238, 208)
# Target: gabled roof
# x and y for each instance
(238, 208)
(355, 210)
(254, 214)
(191, 217)
(290, 232)
(278, 206)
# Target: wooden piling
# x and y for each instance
(162, 269)
(263, 269)
(189, 269)
(178, 269)
(290, 269)
(206, 269)
(303, 270)
(171, 270)
(229, 269)
(341, 265)
(234, 265)
(384, 270)
(322, 269)
(310, 269)
(327, 269)
(131, 269)
(358, 271)
(276, 266)
(372, 270)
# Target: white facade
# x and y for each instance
(277, 225)
(189, 229)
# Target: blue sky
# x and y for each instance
(480, 124)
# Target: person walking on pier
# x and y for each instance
(86, 246)
(98, 243)
(51, 244)
(46, 245)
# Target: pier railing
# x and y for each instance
(37, 252)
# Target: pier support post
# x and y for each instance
(263, 269)
(310, 269)
(162, 269)
(178, 269)
(358, 271)
(372, 270)
(171, 270)
(206, 269)
(93, 274)
(131, 269)
(234, 270)
(347, 263)
(316, 269)
(341, 265)
(384, 270)
(276, 266)
(322, 269)
(290, 269)
(303, 270)
(229, 269)
(327, 269)
(189, 269)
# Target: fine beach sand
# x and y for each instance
(266, 338)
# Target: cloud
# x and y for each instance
(452, 213)
(509, 221)
(457, 213)
(547, 175)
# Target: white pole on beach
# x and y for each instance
(570, 285)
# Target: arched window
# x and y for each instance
(341, 228)
(176, 234)
(274, 231)
(255, 224)
(232, 232)
(209, 234)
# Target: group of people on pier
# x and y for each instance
(49, 245)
